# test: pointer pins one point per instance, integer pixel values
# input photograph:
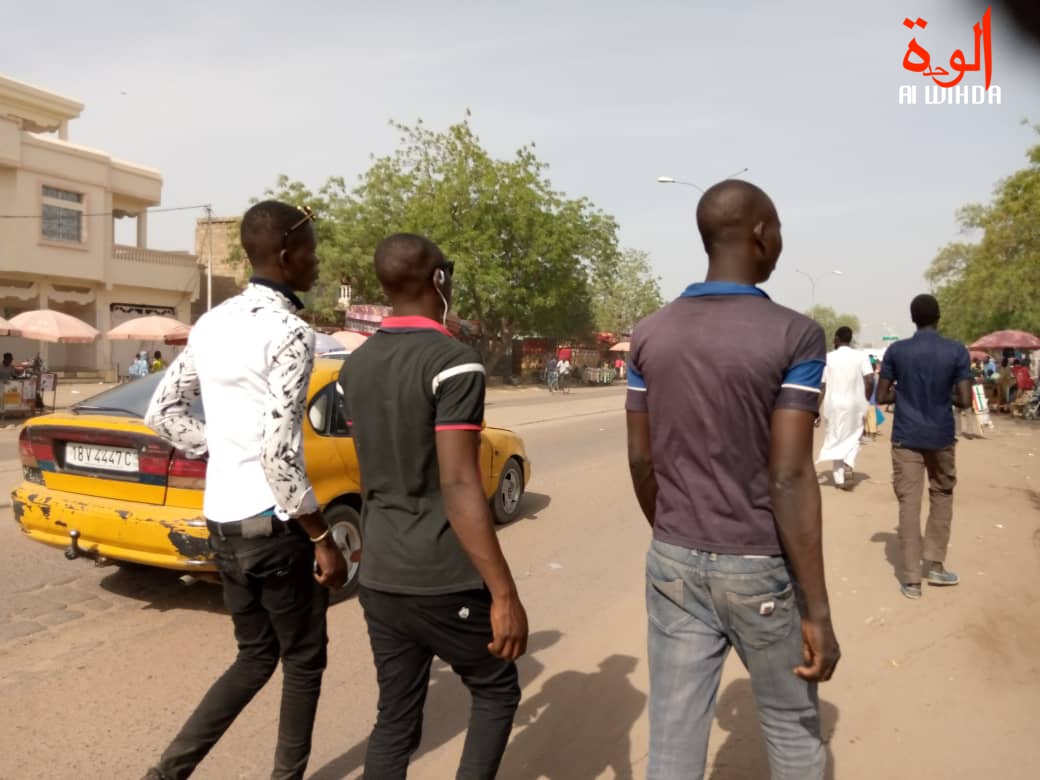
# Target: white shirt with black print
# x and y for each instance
(250, 359)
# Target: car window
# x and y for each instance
(326, 412)
(130, 399)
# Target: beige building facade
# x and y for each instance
(58, 206)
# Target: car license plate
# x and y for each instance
(92, 456)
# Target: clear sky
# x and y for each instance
(224, 96)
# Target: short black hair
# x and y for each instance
(924, 310)
(405, 263)
(8, 356)
(844, 334)
(263, 227)
(158, 353)
(730, 208)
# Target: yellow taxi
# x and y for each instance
(101, 485)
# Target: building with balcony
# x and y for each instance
(58, 206)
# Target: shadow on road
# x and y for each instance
(447, 708)
(826, 479)
(577, 727)
(162, 589)
(531, 505)
(891, 541)
(743, 755)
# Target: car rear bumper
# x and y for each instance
(168, 537)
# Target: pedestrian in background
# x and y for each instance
(266, 531)
(158, 364)
(434, 581)
(848, 382)
(727, 483)
(139, 368)
(921, 374)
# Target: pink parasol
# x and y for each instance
(53, 326)
(151, 328)
(350, 339)
(1008, 339)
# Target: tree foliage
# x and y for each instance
(993, 283)
(624, 290)
(524, 252)
(830, 320)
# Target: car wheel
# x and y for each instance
(345, 526)
(506, 503)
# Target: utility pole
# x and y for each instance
(209, 257)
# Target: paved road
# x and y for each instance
(98, 666)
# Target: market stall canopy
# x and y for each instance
(7, 329)
(150, 328)
(1008, 339)
(623, 346)
(53, 326)
(349, 339)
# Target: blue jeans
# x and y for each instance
(700, 604)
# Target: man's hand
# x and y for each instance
(508, 628)
(332, 566)
(820, 650)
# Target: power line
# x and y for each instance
(110, 213)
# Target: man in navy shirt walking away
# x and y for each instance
(926, 376)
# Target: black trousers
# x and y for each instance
(278, 611)
(406, 633)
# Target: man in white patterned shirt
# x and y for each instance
(266, 530)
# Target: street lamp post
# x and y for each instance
(814, 279)
(700, 189)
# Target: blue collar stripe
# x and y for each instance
(701, 289)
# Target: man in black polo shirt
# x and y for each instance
(724, 388)
(433, 577)
(926, 376)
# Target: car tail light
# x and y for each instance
(32, 454)
(186, 473)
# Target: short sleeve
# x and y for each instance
(807, 359)
(963, 365)
(888, 365)
(636, 400)
(458, 393)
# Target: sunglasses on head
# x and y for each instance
(308, 216)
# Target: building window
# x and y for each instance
(62, 215)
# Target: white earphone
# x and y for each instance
(439, 278)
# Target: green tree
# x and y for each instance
(993, 283)
(624, 290)
(830, 321)
(524, 251)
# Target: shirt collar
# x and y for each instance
(283, 290)
(701, 289)
(413, 323)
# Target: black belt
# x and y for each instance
(251, 527)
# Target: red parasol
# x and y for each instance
(1008, 339)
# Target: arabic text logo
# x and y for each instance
(918, 60)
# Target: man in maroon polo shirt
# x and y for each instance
(724, 388)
